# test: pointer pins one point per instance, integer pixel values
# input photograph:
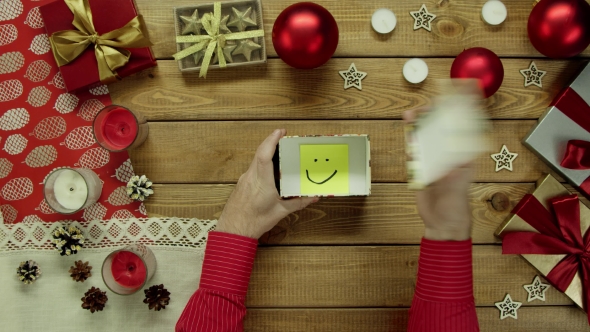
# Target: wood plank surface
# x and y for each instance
(458, 26)
(219, 152)
(388, 216)
(377, 276)
(530, 319)
(277, 91)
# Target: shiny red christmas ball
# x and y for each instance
(560, 28)
(480, 63)
(305, 35)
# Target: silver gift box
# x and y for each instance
(548, 139)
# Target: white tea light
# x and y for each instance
(70, 189)
(494, 12)
(415, 70)
(383, 20)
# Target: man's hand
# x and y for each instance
(254, 207)
(443, 205)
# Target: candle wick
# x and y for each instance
(71, 189)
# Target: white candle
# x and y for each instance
(494, 12)
(70, 189)
(383, 20)
(415, 70)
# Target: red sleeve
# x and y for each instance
(443, 299)
(218, 304)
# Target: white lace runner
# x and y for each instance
(100, 234)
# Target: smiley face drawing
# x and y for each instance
(324, 169)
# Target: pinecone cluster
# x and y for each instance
(28, 272)
(139, 188)
(69, 241)
(80, 271)
(94, 299)
(156, 297)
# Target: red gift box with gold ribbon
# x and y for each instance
(549, 228)
(562, 136)
(105, 41)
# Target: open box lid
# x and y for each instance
(337, 165)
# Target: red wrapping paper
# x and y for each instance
(43, 127)
(107, 15)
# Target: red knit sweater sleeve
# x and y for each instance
(443, 299)
(218, 304)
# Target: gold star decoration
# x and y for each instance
(422, 18)
(227, 50)
(536, 290)
(241, 20)
(223, 25)
(508, 307)
(504, 159)
(246, 47)
(532, 75)
(192, 24)
(352, 77)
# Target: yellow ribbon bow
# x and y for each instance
(213, 40)
(109, 48)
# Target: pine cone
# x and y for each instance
(69, 241)
(28, 272)
(157, 297)
(138, 188)
(94, 300)
(80, 271)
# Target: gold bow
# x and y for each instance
(109, 48)
(212, 40)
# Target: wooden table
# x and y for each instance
(348, 264)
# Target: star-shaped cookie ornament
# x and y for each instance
(246, 47)
(227, 50)
(532, 75)
(352, 77)
(504, 159)
(192, 24)
(508, 307)
(536, 290)
(422, 18)
(241, 20)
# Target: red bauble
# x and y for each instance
(480, 63)
(560, 28)
(305, 35)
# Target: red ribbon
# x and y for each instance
(558, 235)
(577, 154)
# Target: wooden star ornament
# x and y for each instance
(352, 77)
(241, 20)
(504, 159)
(422, 18)
(192, 24)
(246, 47)
(508, 307)
(532, 75)
(536, 290)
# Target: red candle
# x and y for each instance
(128, 269)
(119, 128)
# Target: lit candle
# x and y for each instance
(415, 70)
(128, 269)
(383, 20)
(70, 189)
(494, 12)
(117, 128)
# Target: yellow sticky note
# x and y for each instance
(324, 169)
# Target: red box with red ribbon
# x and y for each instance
(106, 16)
(562, 136)
(549, 228)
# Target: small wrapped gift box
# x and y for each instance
(338, 165)
(225, 37)
(549, 228)
(120, 40)
(562, 136)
